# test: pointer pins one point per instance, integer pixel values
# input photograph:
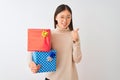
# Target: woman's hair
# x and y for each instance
(59, 9)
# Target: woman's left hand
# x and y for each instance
(75, 35)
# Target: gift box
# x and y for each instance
(39, 39)
(47, 60)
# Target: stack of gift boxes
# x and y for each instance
(39, 42)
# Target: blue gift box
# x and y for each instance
(47, 60)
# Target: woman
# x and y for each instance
(66, 42)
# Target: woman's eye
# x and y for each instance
(68, 17)
(62, 17)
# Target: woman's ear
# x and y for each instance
(56, 21)
(56, 18)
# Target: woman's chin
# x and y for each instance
(64, 27)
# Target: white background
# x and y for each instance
(99, 23)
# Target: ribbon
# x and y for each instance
(51, 56)
(44, 33)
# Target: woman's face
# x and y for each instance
(63, 19)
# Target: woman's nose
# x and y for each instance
(65, 19)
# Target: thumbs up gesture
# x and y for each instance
(75, 35)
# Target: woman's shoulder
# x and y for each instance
(53, 31)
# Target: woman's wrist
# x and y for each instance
(74, 41)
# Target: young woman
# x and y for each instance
(66, 42)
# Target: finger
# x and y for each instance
(34, 67)
(32, 64)
(38, 67)
(34, 71)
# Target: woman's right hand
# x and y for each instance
(34, 68)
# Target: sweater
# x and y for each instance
(68, 54)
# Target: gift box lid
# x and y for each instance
(39, 39)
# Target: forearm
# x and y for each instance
(77, 55)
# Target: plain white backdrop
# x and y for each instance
(99, 26)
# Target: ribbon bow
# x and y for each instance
(51, 56)
(44, 33)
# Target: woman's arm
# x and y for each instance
(77, 55)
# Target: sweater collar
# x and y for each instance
(62, 30)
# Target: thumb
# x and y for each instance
(38, 67)
(32, 64)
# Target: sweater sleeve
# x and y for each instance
(77, 55)
(29, 57)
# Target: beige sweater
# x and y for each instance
(68, 53)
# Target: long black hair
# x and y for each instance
(59, 9)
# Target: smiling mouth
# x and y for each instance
(64, 24)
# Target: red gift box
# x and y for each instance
(39, 39)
